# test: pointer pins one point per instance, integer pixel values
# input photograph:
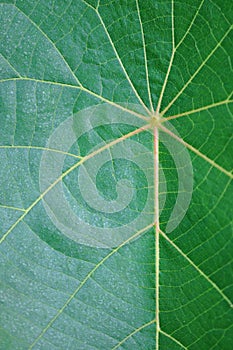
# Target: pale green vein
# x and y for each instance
(89, 5)
(216, 344)
(197, 71)
(10, 65)
(50, 41)
(204, 108)
(61, 38)
(13, 208)
(210, 161)
(82, 88)
(60, 311)
(75, 77)
(84, 159)
(39, 199)
(190, 26)
(214, 285)
(42, 149)
(202, 218)
(145, 57)
(133, 333)
(141, 116)
(173, 339)
(170, 63)
(40, 81)
(197, 318)
(121, 64)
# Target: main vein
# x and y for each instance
(156, 222)
(156, 185)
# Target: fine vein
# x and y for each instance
(16, 72)
(85, 281)
(29, 147)
(89, 156)
(69, 68)
(210, 161)
(12, 208)
(197, 71)
(51, 42)
(204, 108)
(145, 57)
(173, 339)
(170, 63)
(191, 24)
(82, 88)
(122, 66)
(133, 333)
(214, 285)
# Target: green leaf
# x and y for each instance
(116, 177)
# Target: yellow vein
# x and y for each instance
(190, 26)
(204, 108)
(43, 149)
(50, 41)
(82, 88)
(89, 156)
(13, 208)
(145, 57)
(121, 64)
(156, 222)
(228, 173)
(197, 71)
(214, 285)
(84, 282)
(133, 333)
(170, 63)
(173, 339)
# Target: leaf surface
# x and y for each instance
(116, 177)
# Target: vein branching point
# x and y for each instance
(155, 120)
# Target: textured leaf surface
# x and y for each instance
(116, 174)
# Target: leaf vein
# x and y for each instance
(84, 282)
(197, 71)
(214, 285)
(121, 64)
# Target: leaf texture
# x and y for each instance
(116, 177)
